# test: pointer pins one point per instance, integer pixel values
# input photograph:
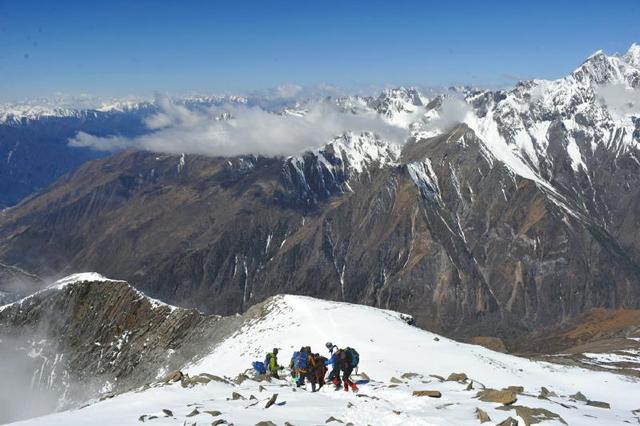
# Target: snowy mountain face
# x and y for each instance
(505, 212)
(125, 366)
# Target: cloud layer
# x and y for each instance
(250, 130)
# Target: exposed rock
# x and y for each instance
(142, 417)
(515, 389)
(236, 396)
(174, 376)
(598, 404)
(505, 397)
(240, 379)
(167, 412)
(469, 386)
(213, 413)
(396, 380)
(440, 378)
(195, 412)
(213, 377)
(266, 423)
(271, 400)
(261, 388)
(333, 419)
(457, 377)
(437, 339)
(219, 422)
(252, 397)
(482, 416)
(532, 416)
(546, 393)
(364, 376)
(429, 393)
(578, 397)
(509, 421)
(410, 375)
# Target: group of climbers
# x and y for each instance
(308, 366)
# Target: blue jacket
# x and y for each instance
(332, 360)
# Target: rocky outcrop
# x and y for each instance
(88, 337)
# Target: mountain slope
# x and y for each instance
(86, 336)
(397, 359)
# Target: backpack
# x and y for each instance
(259, 367)
(355, 356)
(300, 360)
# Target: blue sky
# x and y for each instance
(118, 48)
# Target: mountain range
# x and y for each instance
(504, 212)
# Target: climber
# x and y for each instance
(345, 360)
(334, 375)
(298, 366)
(320, 370)
(271, 363)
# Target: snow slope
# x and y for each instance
(388, 348)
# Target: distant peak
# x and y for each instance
(632, 57)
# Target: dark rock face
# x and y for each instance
(90, 339)
(446, 233)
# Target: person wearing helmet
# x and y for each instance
(334, 375)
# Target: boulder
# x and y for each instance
(212, 377)
(598, 404)
(395, 380)
(457, 377)
(545, 393)
(532, 416)
(578, 397)
(271, 400)
(505, 397)
(174, 376)
(195, 412)
(364, 376)
(236, 396)
(213, 413)
(266, 423)
(167, 413)
(240, 379)
(515, 389)
(142, 417)
(409, 376)
(482, 416)
(509, 421)
(219, 422)
(429, 393)
(199, 380)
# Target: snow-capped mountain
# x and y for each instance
(504, 213)
(127, 367)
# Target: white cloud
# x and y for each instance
(619, 99)
(451, 112)
(176, 129)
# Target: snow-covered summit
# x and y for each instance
(397, 358)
